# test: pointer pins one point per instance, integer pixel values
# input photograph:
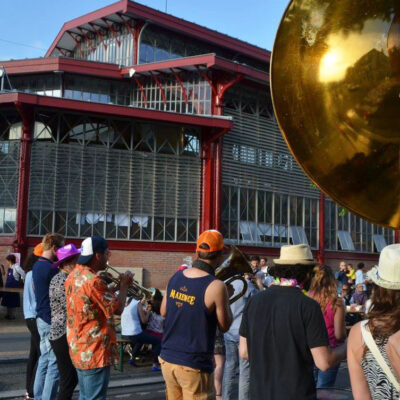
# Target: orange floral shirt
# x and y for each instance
(90, 326)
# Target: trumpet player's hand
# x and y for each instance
(126, 279)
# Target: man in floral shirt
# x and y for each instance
(90, 328)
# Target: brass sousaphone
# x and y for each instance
(233, 267)
(335, 82)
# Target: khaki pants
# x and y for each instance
(185, 383)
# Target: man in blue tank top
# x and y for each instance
(194, 304)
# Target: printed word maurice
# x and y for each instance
(182, 296)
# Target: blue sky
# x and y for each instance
(36, 23)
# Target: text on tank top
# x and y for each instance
(189, 332)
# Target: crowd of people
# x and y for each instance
(284, 338)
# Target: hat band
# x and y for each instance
(384, 280)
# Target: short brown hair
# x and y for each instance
(52, 239)
(212, 255)
(11, 258)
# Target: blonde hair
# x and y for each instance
(324, 287)
(52, 239)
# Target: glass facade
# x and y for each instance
(125, 93)
(158, 44)
(43, 84)
(83, 88)
(198, 95)
(116, 52)
(263, 218)
(341, 224)
(117, 178)
(9, 169)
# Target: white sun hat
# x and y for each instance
(297, 254)
(387, 273)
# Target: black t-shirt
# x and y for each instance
(281, 326)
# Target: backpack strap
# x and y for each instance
(373, 348)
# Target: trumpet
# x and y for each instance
(231, 269)
(113, 276)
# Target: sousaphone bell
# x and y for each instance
(335, 82)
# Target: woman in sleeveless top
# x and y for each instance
(369, 379)
(324, 290)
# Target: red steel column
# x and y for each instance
(20, 243)
(207, 197)
(138, 28)
(321, 237)
(396, 236)
(218, 184)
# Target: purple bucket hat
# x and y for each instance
(65, 253)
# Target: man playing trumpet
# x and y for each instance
(90, 307)
(194, 304)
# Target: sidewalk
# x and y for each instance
(14, 350)
(118, 380)
(9, 330)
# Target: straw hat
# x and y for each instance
(298, 254)
(387, 273)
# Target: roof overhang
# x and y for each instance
(62, 64)
(130, 9)
(112, 71)
(207, 61)
(17, 98)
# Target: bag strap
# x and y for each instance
(373, 348)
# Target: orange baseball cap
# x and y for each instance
(213, 239)
(38, 250)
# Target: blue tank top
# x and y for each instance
(189, 332)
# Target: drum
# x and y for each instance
(334, 394)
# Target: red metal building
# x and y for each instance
(146, 129)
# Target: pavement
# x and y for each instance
(140, 381)
(14, 351)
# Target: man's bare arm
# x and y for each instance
(216, 297)
(325, 358)
(243, 351)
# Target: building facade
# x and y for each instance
(146, 129)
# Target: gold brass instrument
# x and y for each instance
(335, 83)
(135, 290)
(234, 265)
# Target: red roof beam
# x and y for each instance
(141, 90)
(99, 34)
(179, 80)
(128, 25)
(160, 87)
(63, 51)
(207, 60)
(207, 79)
(78, 45)
(110, 26)
(86, 37)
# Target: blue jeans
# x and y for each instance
(326, 379)
(93, 383)
(232, 364)
(47, 377)
(145, 338)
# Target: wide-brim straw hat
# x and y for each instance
(387, 273)
(297, 254)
